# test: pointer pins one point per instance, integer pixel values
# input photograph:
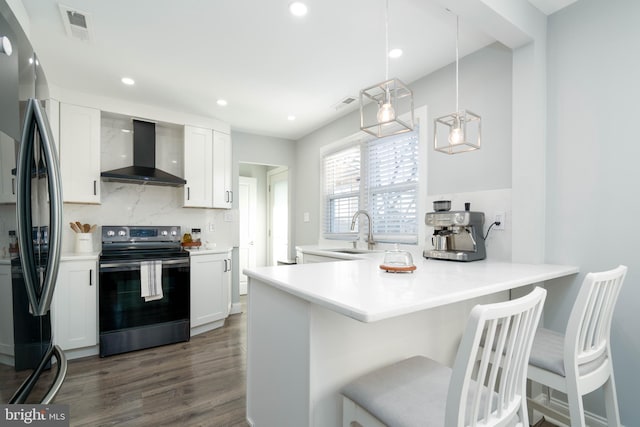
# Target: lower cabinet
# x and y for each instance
(210, 288)
(6, 314)
(74, 313)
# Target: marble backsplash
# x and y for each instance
(133, 204)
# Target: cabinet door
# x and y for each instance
(198, 171)
(80, 153)
(74, 305)
(222, 192)
(210, 279)
(6, 311)
(7, 164)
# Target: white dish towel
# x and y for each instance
(151, 280)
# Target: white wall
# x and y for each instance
(485, 88)
(592, 170)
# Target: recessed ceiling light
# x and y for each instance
(291, 117)
(395, 53)
(297, 8)
(221, 102)
(128, 81)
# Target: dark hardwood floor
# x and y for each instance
(197, 383)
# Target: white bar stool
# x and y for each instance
(580, 361)
(484, 388)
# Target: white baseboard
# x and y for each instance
(593, 420)
(6, 359)
(237, 307)
(207, 327)
(82, 352)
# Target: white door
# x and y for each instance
(247, 205)
(278, 216)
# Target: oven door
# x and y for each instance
(129, 323)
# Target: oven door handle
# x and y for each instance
(136, 264)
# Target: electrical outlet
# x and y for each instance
(501, 218)
(212, 227)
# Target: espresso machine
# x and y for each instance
(457, 235)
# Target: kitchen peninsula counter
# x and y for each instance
(314, 327)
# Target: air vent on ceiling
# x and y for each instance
(76, 23)
(344, 102)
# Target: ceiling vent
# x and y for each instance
(76, 23)
(345, 101)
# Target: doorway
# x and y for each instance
(278, 215)
(260, 210)
(248, 207)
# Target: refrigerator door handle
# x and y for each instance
(21, 395)
(36, 120)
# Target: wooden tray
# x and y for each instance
(398, 269)
(191, 244)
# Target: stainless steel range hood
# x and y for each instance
(144, 169)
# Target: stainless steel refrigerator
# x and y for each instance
(30, 223)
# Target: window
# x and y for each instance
(342, 190)
(380, 176)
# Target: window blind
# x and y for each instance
(342, 191)
(392, 187)
(380, 176)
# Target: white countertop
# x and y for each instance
(360, 290)
(210, 251)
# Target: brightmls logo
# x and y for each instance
(34, 415)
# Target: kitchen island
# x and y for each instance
(312, 328)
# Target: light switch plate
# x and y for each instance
(306, 217)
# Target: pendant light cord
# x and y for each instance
(457, 76)
(386, 39)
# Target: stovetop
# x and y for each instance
(141, 242)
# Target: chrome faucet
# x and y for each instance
(370, 242)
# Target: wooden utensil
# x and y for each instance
(79, 226)
(86, 228)
(93, 228)
(74, 227)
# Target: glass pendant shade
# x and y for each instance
(386, 109)
(457, 132)
(460, 131)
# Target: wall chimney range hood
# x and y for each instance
(144, 169)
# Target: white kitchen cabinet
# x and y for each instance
(74, 311)
(222, 190)
(210, 289)
(7, 164)
(198, 171)
(207, 168)
(6, 314)
(79, 143)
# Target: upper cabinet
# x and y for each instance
(79, 143)
(7, 165)
(207, 168)
(222, 191)
(198, 149)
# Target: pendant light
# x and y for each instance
(393, 98)
(458, 132)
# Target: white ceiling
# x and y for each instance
(268, 64)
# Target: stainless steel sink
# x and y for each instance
(353, 251)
